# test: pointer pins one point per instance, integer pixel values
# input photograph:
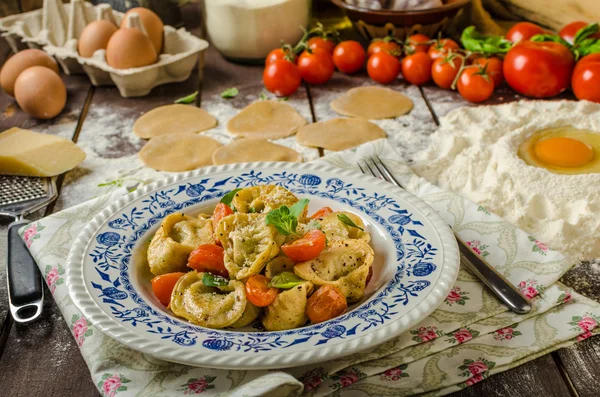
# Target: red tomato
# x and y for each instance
(208, 258)
(538, 70)
(523, 31)
(258, 291)
(280, 54)
(441, 47)
(493, 69)
(349, 56)
(379, 45)
(586, 78)
(416, 68)
(326, 303)
(282, 78)
(316, 67)
(569, 31)
(220, 212)
(323, 43)
(474, 85)
(163, 285)
(412, 44)
(383, 67)
(321, 213)
(306, 248)
(445, 70)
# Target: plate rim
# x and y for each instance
(138, 341)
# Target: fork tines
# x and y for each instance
(378, 169)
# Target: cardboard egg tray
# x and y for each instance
(56, 27)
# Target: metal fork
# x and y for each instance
(500, 286)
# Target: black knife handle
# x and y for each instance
(26, 292)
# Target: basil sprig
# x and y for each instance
(474, 41)
(285, 280)
(212, 280)
(345, 219)
(285, 219)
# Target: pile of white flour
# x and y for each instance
(474, 152)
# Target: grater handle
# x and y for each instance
(25, 288)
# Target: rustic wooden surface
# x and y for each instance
(42, 358)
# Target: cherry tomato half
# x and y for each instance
(316, 67)
(321, 213)
(163, 285)
(258, 291)
(569, 31)
(384, 45)
(475, 85)
(306, 248)
(221, 211)
(493, 67)
(523, 31)
(323, 43)
(413, 44)
(280, 54)
(445, 70)
(383, 67)
(326, 303)
(349, 56)
(282, 78)
(208, 258)
(586, 78)
(440, 48)
(416, 68)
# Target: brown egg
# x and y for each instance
(21, 61)
(95, 37)
(152, 24)
(129, 48)
(40, 92)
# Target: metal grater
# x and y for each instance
(20, 196)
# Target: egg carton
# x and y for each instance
(56, 27)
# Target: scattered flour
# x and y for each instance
(474, 152)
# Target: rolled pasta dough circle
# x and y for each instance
(247, 150)
(266, 119)
(339, 134)
(173, 119)
(179, 152)
(372, 103)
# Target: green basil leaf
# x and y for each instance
(297, 209)
(251, 210)
(474, 41)
(281, 220)
(285, 280)
(346, 220)
(585, 32)
(263, 96)
(212, 280)
(550, 37)
(228, 198)
(187, 99)
(230, 93)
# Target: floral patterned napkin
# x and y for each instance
(470, 337)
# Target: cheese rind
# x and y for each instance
(28, 153)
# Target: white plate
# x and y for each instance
(416, 265)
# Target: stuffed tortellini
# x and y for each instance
(344, 264)
(249, 243)
(212, 307)
(262, 198)
(289, 308)
(176, 238)
(279, 264)
(335, 229)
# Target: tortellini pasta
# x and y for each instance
(176, 238)
(344, 264)
(249, 243)
(335, 229)
(279, 264)
(289, 308)
(212, 307)
(262, 198)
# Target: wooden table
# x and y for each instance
(42, 358)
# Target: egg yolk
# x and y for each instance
(563, 152)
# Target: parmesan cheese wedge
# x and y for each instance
(28, 153)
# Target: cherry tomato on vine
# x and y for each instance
(280, 54)
(208, 258)
(258, 291)
(416, 68)
(384, 45)
(321, 213)
(349, 56)
(569, 31)
(475, 85)
(316, 66)
(493, 67)
(282, 78)
(326, 303)
(163, 285)
(586, 78)
(323, 43)
(444, 71)
(306, 248)
(413, 43)
(440, 48)
(523, 31)
(383, 67)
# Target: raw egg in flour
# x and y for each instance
(564, 150)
